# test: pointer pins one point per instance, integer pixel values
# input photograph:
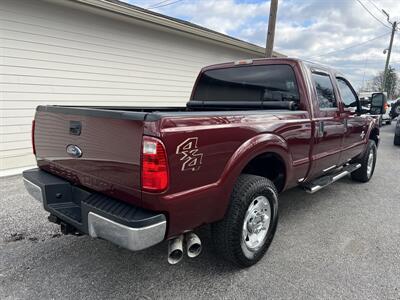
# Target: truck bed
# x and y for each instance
(110, 139)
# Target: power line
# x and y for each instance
(372, 15)
(352, 46)
(155, 4)
(376, 6)
(163, 3)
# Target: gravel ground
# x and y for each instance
(342, 242)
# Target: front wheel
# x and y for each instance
(247, 230)
(367, 161)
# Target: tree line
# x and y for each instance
(392, 83)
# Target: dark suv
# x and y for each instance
(396, 140)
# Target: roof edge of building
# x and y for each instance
(135, 12)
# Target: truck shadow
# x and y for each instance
(290, 202)
(80, 261)
(83, 260)
(294, 204)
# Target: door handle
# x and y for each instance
(321, 129)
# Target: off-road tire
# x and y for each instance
(361, 174)
(227, 233)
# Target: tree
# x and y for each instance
(392, 84)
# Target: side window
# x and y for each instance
(347, 94)
(324, 87)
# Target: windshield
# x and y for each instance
(248, 83)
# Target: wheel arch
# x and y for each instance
(269, 165)
(268, 148)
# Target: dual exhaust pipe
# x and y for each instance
(175, 247)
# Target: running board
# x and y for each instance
(321, 182)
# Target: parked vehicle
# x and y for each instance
(251, 130)
(396, 140)
(395, 109)
(386, 117)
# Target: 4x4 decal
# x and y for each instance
(190, 154)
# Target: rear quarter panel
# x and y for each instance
(225, 144)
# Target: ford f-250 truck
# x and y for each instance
(251, 130)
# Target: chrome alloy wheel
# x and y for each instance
(370, 163)
(255, 226)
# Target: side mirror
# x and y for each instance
(378, 101)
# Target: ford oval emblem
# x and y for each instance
(74, 150)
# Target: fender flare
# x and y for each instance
(250, 149)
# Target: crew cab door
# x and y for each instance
(329, 127)
(356, 126)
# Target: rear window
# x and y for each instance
(248, 83)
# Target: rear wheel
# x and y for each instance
(248, 228)
(367, 161)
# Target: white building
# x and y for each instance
(95, 52)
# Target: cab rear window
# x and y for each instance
(248, 83)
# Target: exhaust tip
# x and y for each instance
(175, 256)
(194, 250)
(193, 245)
(175, 250)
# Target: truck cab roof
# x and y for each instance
(274, 60)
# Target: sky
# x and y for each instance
(317, 30)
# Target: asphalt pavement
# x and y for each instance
(342, 242)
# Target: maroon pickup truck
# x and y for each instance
(251, 130)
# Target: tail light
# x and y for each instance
(33, 137)
(155, 177)
(386, 106)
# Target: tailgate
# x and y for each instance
(91, 148)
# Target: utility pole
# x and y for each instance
(388, 56)
(389, 51)
(271, 28)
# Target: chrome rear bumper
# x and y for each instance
(95, 214)
(33, 190)
(127, 237)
